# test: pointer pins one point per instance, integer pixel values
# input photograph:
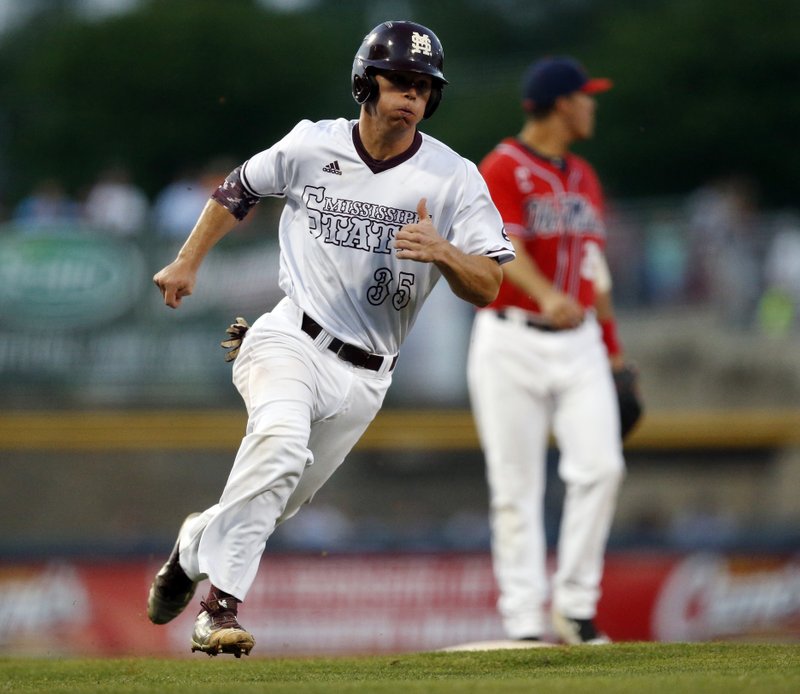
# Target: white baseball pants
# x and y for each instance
(523, 382)
(306, 410)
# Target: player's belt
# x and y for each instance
(349, 353)
(527, 320)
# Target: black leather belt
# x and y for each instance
(544, 327)
(349, 353)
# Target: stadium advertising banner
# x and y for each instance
(103, 336)
(355, 604)
(101, 331)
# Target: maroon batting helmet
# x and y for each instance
(402, 46)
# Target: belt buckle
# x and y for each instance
(339, 349)
(351, 354)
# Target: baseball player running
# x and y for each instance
(375, 213)
(539, 357)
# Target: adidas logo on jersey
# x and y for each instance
(333, 168)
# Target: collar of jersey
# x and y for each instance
(377, 166)
(559, 163)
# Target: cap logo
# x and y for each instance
(421, 43)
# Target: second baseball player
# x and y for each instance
(542, 356)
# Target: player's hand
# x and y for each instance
(419, 241)
(561, 310)
(175, 281)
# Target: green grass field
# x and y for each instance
(643, 668)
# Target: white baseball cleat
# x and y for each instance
(578, 631)
(216, 629)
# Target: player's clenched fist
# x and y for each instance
(419, 241)
(561, 310)
(175, 281)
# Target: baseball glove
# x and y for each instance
(631, 407)
(236, 332)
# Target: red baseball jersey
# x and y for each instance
(556, 208)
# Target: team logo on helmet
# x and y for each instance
(421, 43)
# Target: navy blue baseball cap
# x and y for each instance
(554, 76)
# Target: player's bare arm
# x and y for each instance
(557, 307)
(473, 278)
(177, 279)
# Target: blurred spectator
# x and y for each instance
(779, 304)
(48, 204)
(724, 224)
(624, 252)
(178, 206)
(664, 262)
(115, 204)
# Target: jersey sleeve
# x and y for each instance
(498, 172)
(478, 225)
(266, 173)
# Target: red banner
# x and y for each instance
(309, 605)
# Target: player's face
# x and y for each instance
(403, 96)
(579, 112)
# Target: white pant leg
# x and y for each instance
(275, 382)
(292, 391)
(332, 438)
(511, 408)
(586, 426)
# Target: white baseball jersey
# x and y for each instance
(342, 211)
(306, 406)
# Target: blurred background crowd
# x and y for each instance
(119, 117)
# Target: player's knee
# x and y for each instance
(508, 521)
(611, 472)
(616, 472)
(601, 470)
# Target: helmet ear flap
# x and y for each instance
(433, 100)
(365, 87)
